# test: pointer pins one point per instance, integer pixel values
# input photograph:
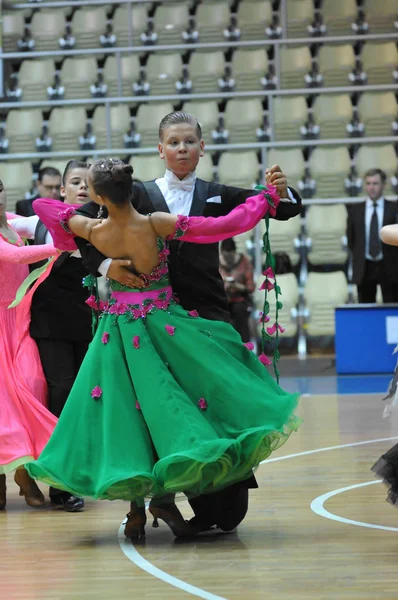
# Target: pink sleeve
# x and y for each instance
(13, 216)
(24, 254)
(54, 215)
(205, 230)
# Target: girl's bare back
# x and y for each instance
(136, 241)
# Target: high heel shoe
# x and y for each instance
(3, 487)
(28, 488)
(170, 514)
(136, 520)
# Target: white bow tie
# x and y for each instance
(184, 186)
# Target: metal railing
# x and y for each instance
(259, 146)
(378, 37)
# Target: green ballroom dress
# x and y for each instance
(165, 401)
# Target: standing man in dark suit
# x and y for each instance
(48, 186)
(194, 268)
(373, 262)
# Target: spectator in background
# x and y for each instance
(373, 262)
(237, 273)
(48, 186)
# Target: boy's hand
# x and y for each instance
(274, 176)
(120, 272)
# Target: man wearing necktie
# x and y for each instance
(374, 263)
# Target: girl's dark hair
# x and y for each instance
(112, 179)
(177, 118)
(73, 164)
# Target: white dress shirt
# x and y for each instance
(178, 194)
(368, 218)
(26, 227)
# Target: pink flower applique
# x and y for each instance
(182, 223)
(193, 313)
(170, 329)
(269, 273)
(91, 302)
(105, 337)
(202, 404)
(249, 345)
(96, 392)
(275, 326)
(267, 284)
(136, 341)
(264, 359)
(137, 405)
(264, 318)
(64, 217)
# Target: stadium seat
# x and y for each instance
(289, 115)
(120, 125)
(78, 75)
(205, 70)
(239, 169)
(338, 16)
(379, 62)
(329, 167)
(23, 127)
(66, 125)
(253, 18)
(212, 18)
(336, 63)
(333, 112)
(323, 293)
(295, 65)
(326, 227)
(130, 18)
(34, 77)
(248, 68)
(163, 72)
(378, 111)
(148, 118)
(242, 119)
(17, 180)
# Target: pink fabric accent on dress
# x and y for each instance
(264, 359)
(206, 230)
(249, 345)
(25, 425)
(48, 211)
(202, 404)
(170, 329)
(136, 342)
(139, 297)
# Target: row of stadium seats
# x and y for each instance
(165, 74)
(243, 121)
(328, 168)
(178, 22)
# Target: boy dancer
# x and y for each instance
(194, 268)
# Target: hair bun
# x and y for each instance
(121, 172)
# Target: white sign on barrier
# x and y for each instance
(392, 330)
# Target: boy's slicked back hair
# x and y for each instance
(177, 118)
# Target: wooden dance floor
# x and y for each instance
(318, 527)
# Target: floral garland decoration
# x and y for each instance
(269, 284)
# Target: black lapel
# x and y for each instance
(390, 212)
(200, 196)
(156, 196)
